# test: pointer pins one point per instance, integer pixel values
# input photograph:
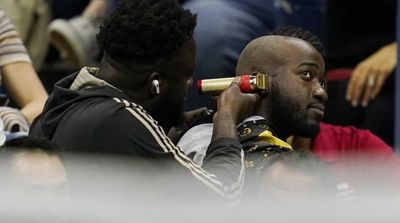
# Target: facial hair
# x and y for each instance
(169, 111)
(288, 116)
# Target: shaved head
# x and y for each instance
(266, 53)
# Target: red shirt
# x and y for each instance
(356, 154)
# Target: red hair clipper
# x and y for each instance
(256, 82)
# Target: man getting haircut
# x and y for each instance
(354, 156)
(295, 101)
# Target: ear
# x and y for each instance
(154, 83)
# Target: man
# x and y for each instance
(136, 95)
(297, 92)
(294, 104)
(347, 150)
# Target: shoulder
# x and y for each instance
(110, 124)
(128, 117)
(349, 140)
(352, 136)
(12, 49)
(195, 141)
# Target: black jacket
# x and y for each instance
(104, 119)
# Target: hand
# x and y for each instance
(195, 114)
(370, 75)
(233, 106)
(235, 103)
(13, 120)
(188, 117)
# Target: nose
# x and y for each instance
(320, 93)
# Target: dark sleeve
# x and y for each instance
(223, 166)
(105, 126)
(225, 159)
(123, 133)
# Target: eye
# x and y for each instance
(306, 75)
(323, 84)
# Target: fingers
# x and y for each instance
(196, 114)
(237, 104)
(356, 85)
(253, 98)
(369, 76)
(366, 85)
(197, 111)
(236, 81)
(378, 86)
(369, 88)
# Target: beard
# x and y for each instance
(289, 117)
(169, 111)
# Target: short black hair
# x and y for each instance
(302, 34)
(146, 30)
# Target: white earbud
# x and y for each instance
(156, 86)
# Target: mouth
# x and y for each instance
(318, 109)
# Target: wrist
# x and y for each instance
(224, 126)
(392, 46)
(226, 115)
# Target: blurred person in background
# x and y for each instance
(361, 39)
(360, 160)
(19, 78)
(34, 181)
(30, 18)
(75, 36)
(33, 163)
(294, 178)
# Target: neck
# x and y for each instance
(298, 142)
(264, 111)
(130, 81)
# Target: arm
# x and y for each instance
(225, 156)
(380, 154)
(25, 88)
(17, 72)
(223, 166)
